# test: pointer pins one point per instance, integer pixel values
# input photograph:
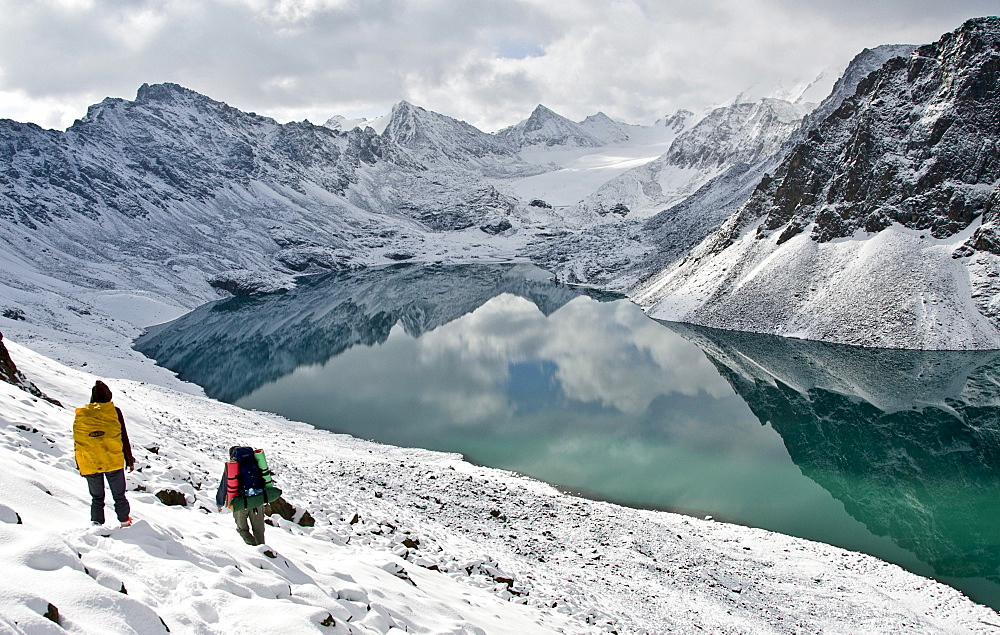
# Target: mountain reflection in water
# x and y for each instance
(908, 441)
(895, 453)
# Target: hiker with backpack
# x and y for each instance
(245, 488)
(103, 451)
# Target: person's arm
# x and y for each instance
(220, 496)
(126, 446)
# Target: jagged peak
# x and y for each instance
(166, 91)
(599, 117)
(404, 106)
(542, 111)
(988, 22)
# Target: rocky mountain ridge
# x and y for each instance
(708, 172)
(876, 228)
(547, 128)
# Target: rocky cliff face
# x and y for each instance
(852, 236)
(10, 374)
(915, 145)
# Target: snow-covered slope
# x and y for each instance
(605, 129)
(877, 228)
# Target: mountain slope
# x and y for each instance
(547, 129)
(438, 140)
(743, 133)
(868, 232)
(216, 197)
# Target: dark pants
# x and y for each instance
(255, 516)
(116, 481)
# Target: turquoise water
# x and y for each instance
(892, 453)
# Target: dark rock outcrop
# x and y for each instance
(10, 374)
(917, 144)
(172, 497)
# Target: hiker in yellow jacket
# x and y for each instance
(102, 452)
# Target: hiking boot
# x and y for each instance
(126, 523)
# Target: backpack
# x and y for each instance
(97, 439)
(249, 479)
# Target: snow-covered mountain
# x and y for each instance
(693, 187)
(606, 130)
(434, 139)
(743, 133)
(677, 121)
(213, 196)
(877, 229)
(548, 129)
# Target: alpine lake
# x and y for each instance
(892, 453)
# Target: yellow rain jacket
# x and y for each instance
(97, 438)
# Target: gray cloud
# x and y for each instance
(488, 62)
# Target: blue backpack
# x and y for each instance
(251, 477)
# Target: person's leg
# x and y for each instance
(95, 484)
(257, 523)
(116, 481)
(241, 516)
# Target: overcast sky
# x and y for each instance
(488, 62)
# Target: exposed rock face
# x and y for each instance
(676, 121)
(900, 168)
(172, 497)
(10, 374)
(915, 145)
